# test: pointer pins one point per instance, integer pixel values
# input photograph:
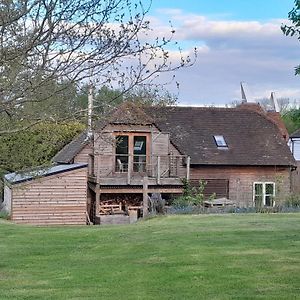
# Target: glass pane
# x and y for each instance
(258, 189)
(139, 143)
(220, 141)
(139, 151)
(122, 144)
(269, 200)
(269, 189)
(121, 162)
(139, 163)
(258, 200)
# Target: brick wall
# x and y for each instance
(241, 180)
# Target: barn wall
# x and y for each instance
(241, 180)
(178, 162)
(103, 150)
(56, 199)
(160, 147)
(159, 144)
(83, 155)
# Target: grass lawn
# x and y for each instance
(253, 256)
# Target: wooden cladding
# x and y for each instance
(219, 187)
(58, 199)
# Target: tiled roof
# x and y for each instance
(67, 153)
(252, 139)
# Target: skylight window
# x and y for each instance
(220, 141)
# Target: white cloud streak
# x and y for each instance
(230, 52)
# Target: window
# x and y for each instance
(122, 153)
(220, 141)
(131, 146)
(263, 194)
(139, 152)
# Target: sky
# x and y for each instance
(237, 41)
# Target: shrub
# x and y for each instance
(292, 200)
(4, 215)
(192, 196)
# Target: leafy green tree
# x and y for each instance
(35, 146)
(293, 29)
(291, 119)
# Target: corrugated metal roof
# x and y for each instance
(18, 177)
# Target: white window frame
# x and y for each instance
(264, 191)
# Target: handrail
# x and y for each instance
(155, 166)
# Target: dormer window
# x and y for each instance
(220, 141)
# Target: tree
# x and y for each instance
(47, 46)
(267, 104)
(107, 98)
(294, 28)
(35, 146)
(291, 119)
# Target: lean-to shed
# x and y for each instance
(53, 195)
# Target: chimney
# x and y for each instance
(90, 103)
(90, 112)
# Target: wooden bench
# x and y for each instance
(111, 209)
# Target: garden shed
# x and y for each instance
(48, 196)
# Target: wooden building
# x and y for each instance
(240, 153)
(48, 196)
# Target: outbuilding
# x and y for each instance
(47, 196)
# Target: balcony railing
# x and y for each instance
(129, 166)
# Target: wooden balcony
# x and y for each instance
(124, 170)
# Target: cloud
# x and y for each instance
(232, 51)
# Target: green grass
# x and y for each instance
(253, 256)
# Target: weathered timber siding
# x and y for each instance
(83, 155)
(56, 199)
(178, 162)
(103, 150)
(241, 180)
(160, 147)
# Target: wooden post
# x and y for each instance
(129, 169)
(98, 168)
(158, 170)
(97, 199)
(145, 196)
(188, 162)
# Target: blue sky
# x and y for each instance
(237, 40)
(236, 9)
